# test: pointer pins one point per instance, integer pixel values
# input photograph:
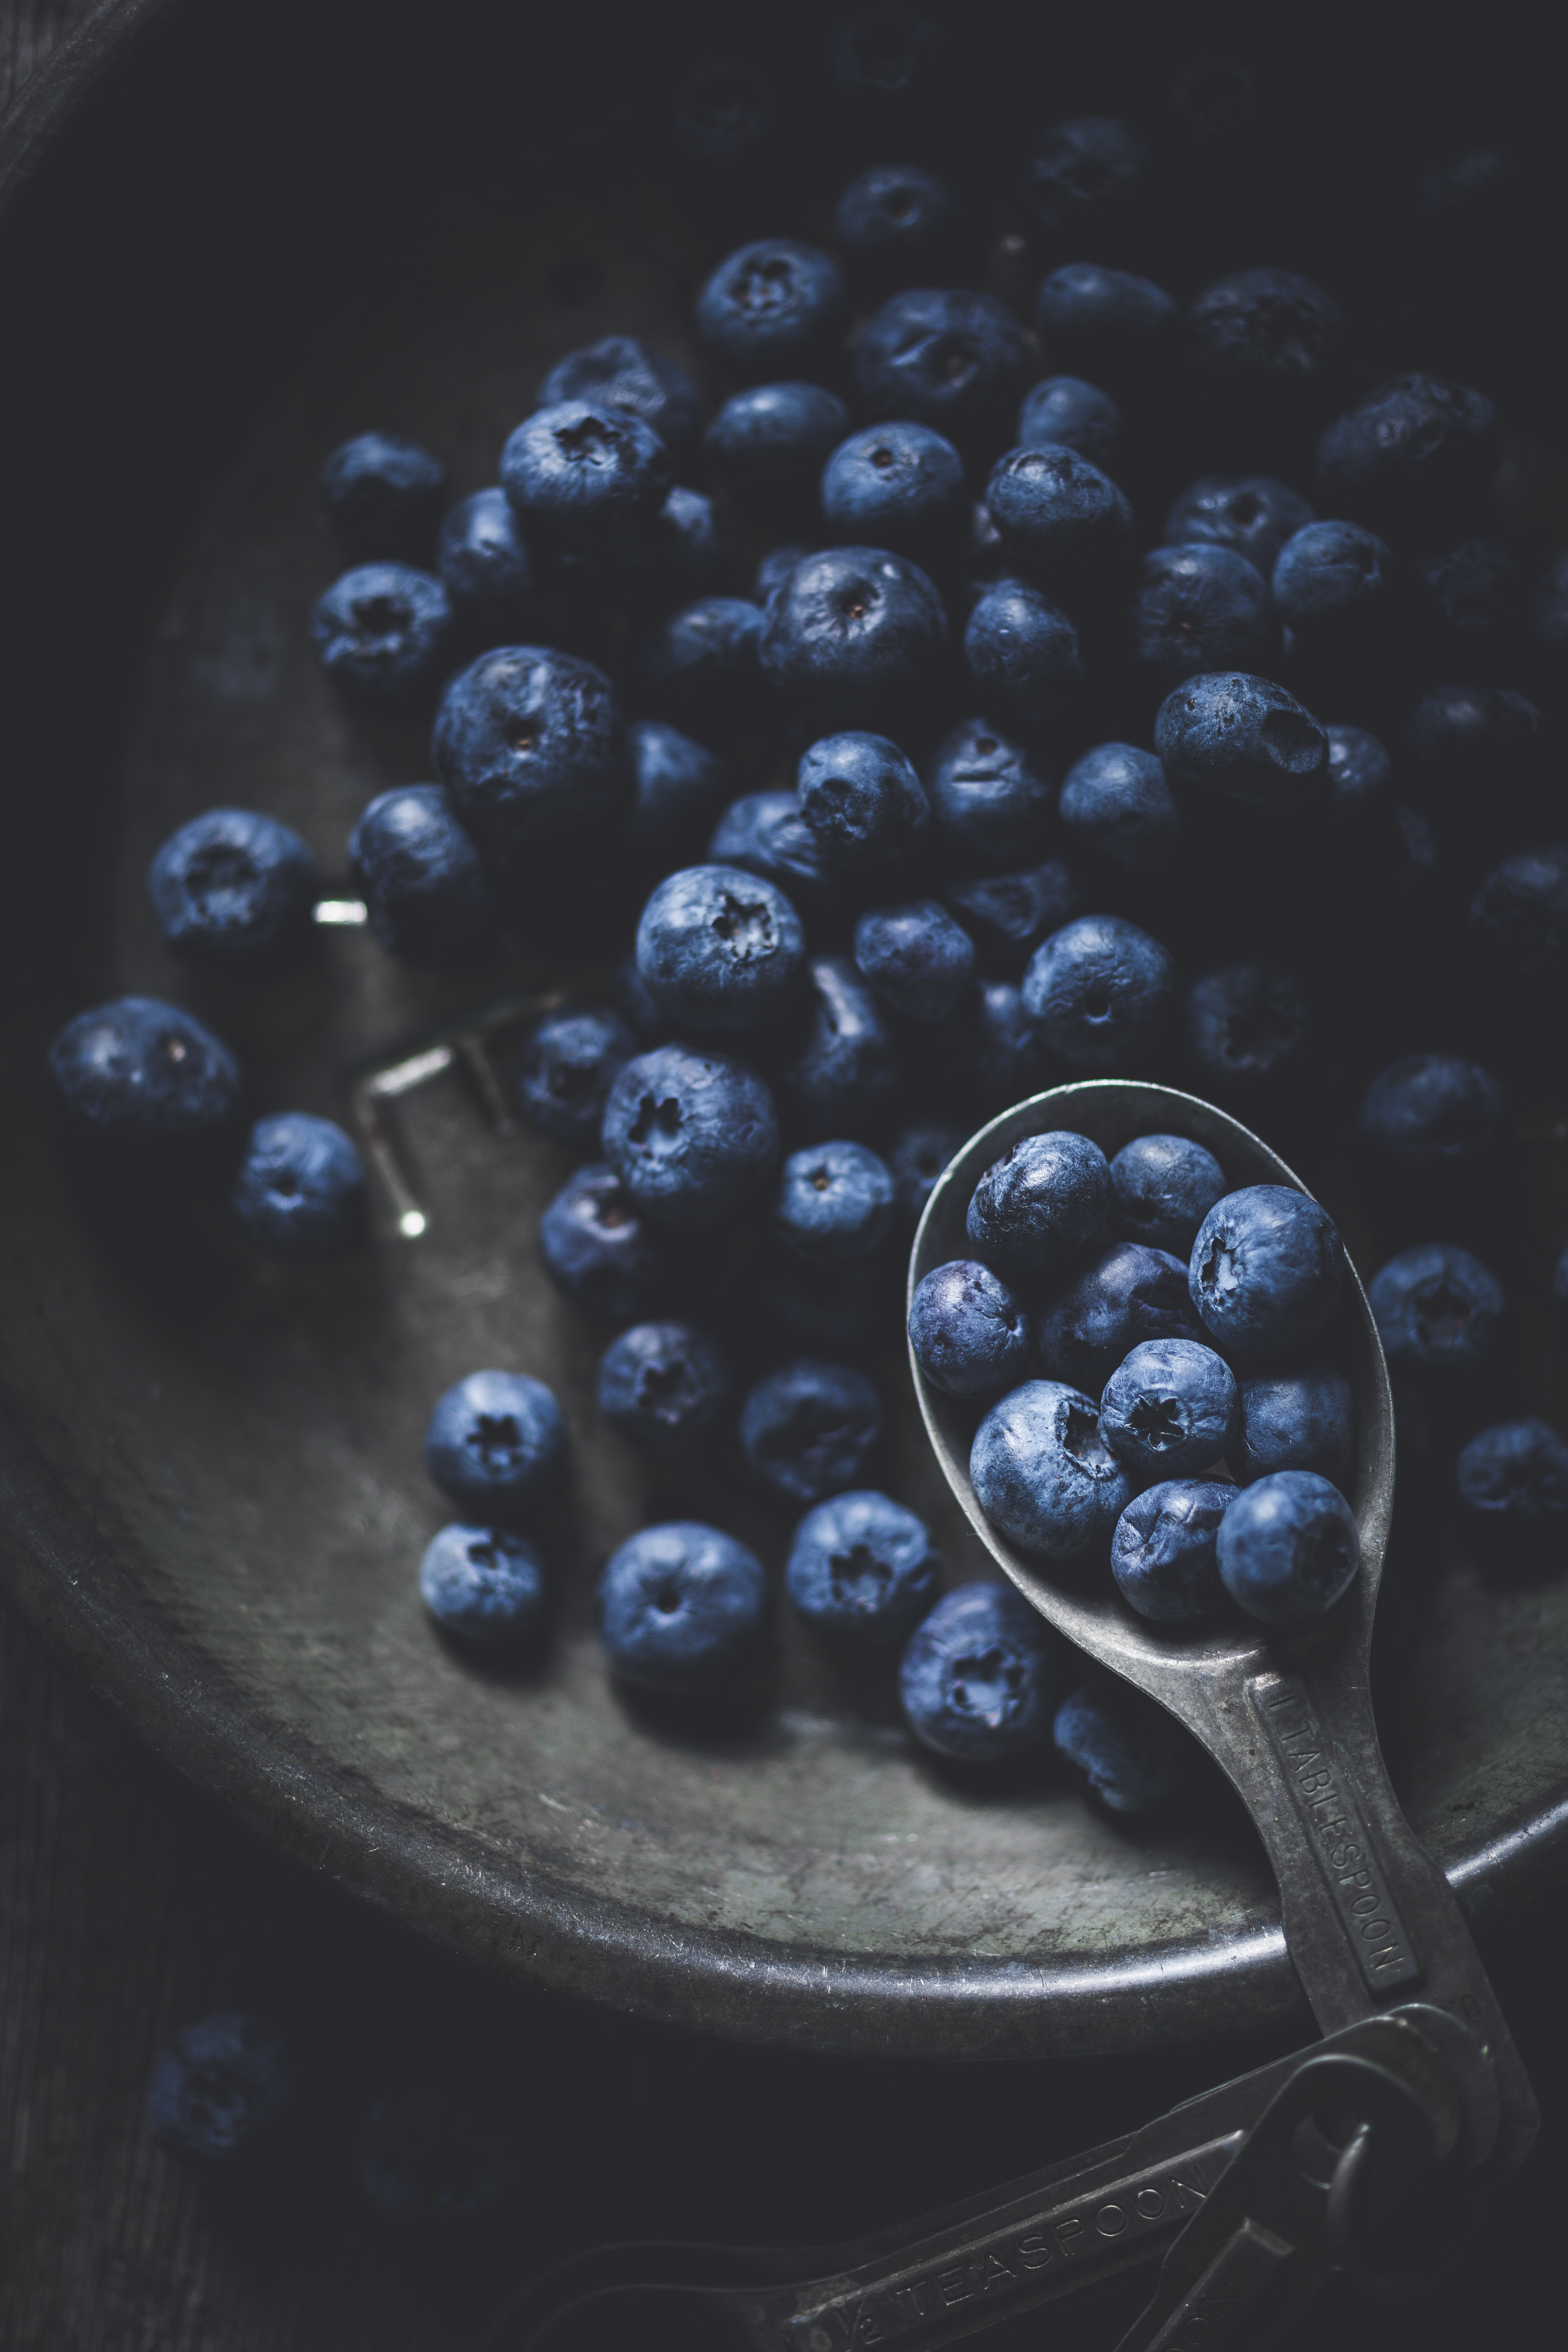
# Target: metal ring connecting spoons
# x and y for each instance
(1370, 1920)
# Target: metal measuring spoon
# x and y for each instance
(1370, 1920)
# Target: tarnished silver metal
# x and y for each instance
(1369, 1917)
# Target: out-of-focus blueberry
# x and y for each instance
(690, 1134)
(1044, 1474)
(681, 787)
(565, 1070)
(1033, 1207)
(1002, 1058)
(1119, 799)
(862, 800)
(1288, 1547)
(1120, 1741)
(807, 1429)
(862, 1570)
(1333, 584)
(1266, 1269)
(1265, 332)
(1199, 608)
(1242, 737)
(1021, 655)
(530, 746)
(898, 485)
(894, 222)
(699, 668)
(1463, 741)
(586, 478)
(1513, 1483)
(1429, 1113)
(947, 357)
(1247, 1025)
(485, 565)
(301, 1190)
(379, 632)
(628, 375)
(835, 1202)
(1294, 1421)
(991, 803)
(1549, 610)
(765, 833)
(484, 1584)
(1438, 1312)
(1098, 992)
(1064, 411)
(496, 1445)
(1519, 923)
(979, 1675)
(1007, 915)
(233, 892)
(1361, 776)
(1162, 1551)
(1470, 593)
(424, 888)
(1083, 171)
(595, 1248)
(722, 113)
(915, 957)
(854, 636)
(1161, 1188)
(663, 1385)
(384, 495)
(436, 2154)
(918, 1154)
(771, 308)
(1061, 519)
(1169, 1408)
(144, 1078)
(969, 1334)
(688, 552)
(1251, 513)
(223, 2084)
(1104, 323)
(1128, 1295)
(768, 446)
(847, 1073)
(721, 948)
(1410, 456)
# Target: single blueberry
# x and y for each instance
(484, 1584)
(1288, 1547)
(1470, 593)
(384, 495)
(918, 1154)
(234, 893)
(835, 1202)
(1103, 324)
(1007, 915)
(862, 800)
(978, 1676)
(894, 222)
(807, 1429)
(915, 957)
(1411, 456)
(881, 59)
(1118, 800)
(1361, 776)
(1519, 923)
(1438, 1312)
(862, 1570)
(770, 309)
(1001, 1059)
(847, 1073)
(629, 375)
(898, 485)
(142, 1076)
(301, 1190)
(530, 746)
(1265, 330)
(485, 566)
(947, 357)
(765, 833)
(720, 948)
(1199, 608)
(1066, 411)
(1514, 1482)
(699, 668)
(690, 1134)
(1462, 742)
(855, 636)
(1294, 1421)
(1170, 1407)
(381, 631)
(568, 1062)
(1333, 584)
(221, 2085)
(1084, 170)
(1128, 1295)
(1044, 1474)
(1061, 519)
(424, 888)
(1120, 1741)
(1428, 1112)
(991, 803)
(663, 1386)
(1098, 990)
(722, 113)
(688, 553)
(586, 478)
(1242, 737)
(497, 1444)
(1021, 655)
(969, 1334)
(1266, 1269)
(1162, 1552)
(1252, 514)
(1246, 1027)
(436, 2154)
(595, 1248)
(681, 787)
(768, 446)
(1033, 1207)
(1213, 100)
(1161, 1188)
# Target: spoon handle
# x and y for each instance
(1370, 1918)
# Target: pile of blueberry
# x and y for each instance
(1006, 666)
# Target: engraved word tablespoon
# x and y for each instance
(1370, 1919)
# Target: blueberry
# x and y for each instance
(1294, 1421)
(969, 1334)
(1061, 519)
(1361, 776)
(1266, 1269)
(880, 59)
(946, 357)
(1044, 1474)
(1170, 1407)
(435, 2155)
(1288, 1547)
(1033, 1207)
(1247, 1026)
(1429, 1113)
(894, 222)
(381, 631)
(806, 1429)
(595, 1248)
(1411, 456)
(1213, 100)
(1464, 741)
(1470, 595)
(1242, 737)
(918, 1154)
(1265, 332)
(1021, 655)
(140, 1078)
(862, 800)
(568, 1063)
(484, 1585)
(1105, 323)
(1513, 1483)
(690, 1134)
(586, 478)
(720, 948)
(221, 2085)
(1161, 1188)
(690, 553)
(1549, 611)
(1007, 915)
(768, 446)
(485, 566)
(722, 113)
(898, 485)
(1120, 1741)
(628, 376)
(978, 1675)
(835, 1202)
(1002, 1058)
(699, 668)
(855, 636)
(1333, 584)
(862, 1570)
(1118, 800)
(1097, 990)
(384, 495)
(663, 1385)
(233, 894)
(1162, 1551)
(1519, 923)
(915, 957)
(765, 833)
(771, 308)
(1129, 1294)
(424, 888)
(1439, 1312)
(496, 1445)
(1082, 171)
(848, 1071)
(991, 803)
(1251, 514)
(301, 1190)
(530, 745)
(681, 787)
(1065, 411)
(1199, 608)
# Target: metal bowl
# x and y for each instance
(218, 1527)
